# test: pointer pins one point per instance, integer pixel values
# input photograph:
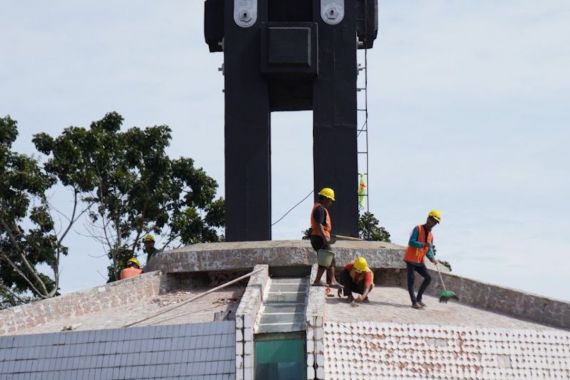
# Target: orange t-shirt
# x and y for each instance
(130, 272)
(367, 277)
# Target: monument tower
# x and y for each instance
(289, 55)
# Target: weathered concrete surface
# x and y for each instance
(22, 319)
(488, 297)
(385, 258)
(504, 300)
(244, 255)
(392, 304)
(156, 307)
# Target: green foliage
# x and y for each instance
(27, 236)
(132, 187)
(369, 228)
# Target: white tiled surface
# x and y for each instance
(372, 350)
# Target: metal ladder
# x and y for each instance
(362, 120)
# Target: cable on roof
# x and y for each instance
(291, 209)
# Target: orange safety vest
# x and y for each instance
(327, 227)
(417, 255)
(130, 272)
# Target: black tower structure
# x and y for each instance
(289, 55)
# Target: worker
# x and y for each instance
(320, 235)
(420, 245)
(356, 277)
(133, 269)
(149, 248)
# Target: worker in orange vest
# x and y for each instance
(133, 269)
(420, 245)
(320, 235)
(356, 277)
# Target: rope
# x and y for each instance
(291, 209)
(193, 298)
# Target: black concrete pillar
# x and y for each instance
(335, 154)
(247, 131)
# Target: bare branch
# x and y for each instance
(26, 262)
(11, 293)
(19, 271)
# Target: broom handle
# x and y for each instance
(440, 277)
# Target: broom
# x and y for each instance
(445, 294)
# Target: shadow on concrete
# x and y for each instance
(344, 300)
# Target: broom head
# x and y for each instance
(446, 295)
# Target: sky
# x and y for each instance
(469, 108)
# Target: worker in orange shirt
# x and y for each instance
(356, 277)
(133, 269)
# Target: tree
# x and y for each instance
(27, 232)
(368, 229)
(132, 187)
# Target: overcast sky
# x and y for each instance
(469, 106)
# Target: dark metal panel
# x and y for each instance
(247, 132)
(335, 154)
(86, 354)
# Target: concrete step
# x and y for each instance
(283, 317)
(281, 328)
(280, 297)
(284, 306)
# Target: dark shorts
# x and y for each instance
(317, 242)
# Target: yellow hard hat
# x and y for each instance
(148, 237)
(328, 193)
(360, 264)
(134, 260)
(436, 214)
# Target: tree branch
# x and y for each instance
(26, 262)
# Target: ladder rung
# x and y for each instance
(361, 109)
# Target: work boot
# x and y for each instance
(416, 306)
(421, 304)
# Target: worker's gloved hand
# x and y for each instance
(358, 299)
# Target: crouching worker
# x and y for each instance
(320, 235)
(133, 269)
(358, 278)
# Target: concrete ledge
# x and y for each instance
(315, 316)
(511, 302)
(246, 315)
(16, 319)
(245, 255)
(507, 301)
